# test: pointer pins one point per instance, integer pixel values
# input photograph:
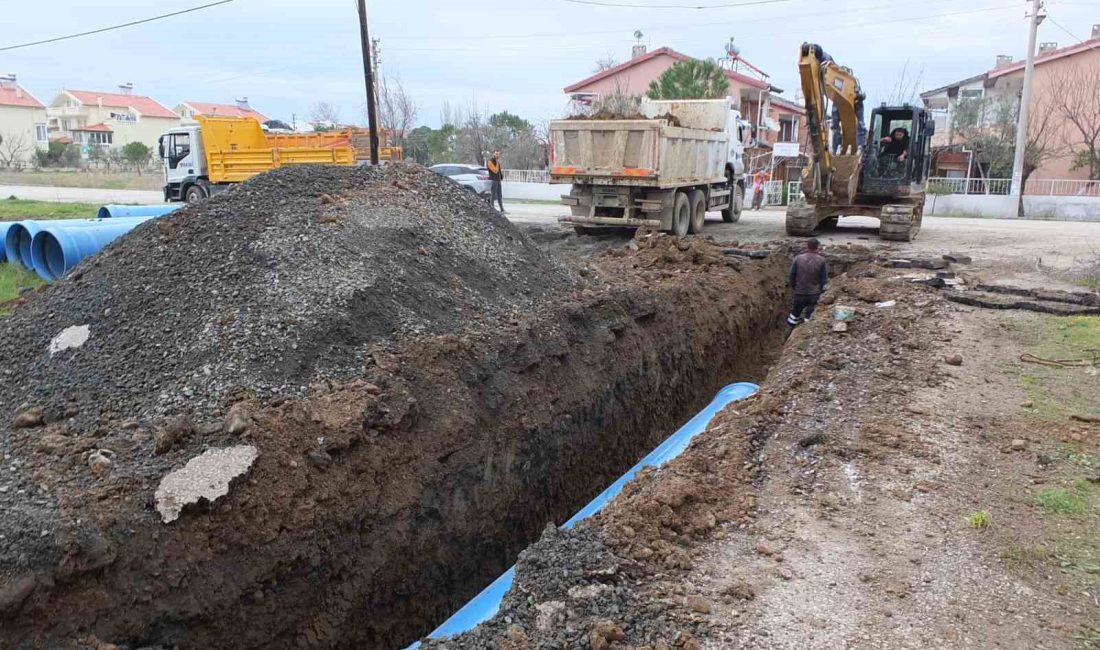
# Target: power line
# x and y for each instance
(596, 3)
(113, 27)
(1071, 34)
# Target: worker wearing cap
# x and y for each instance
(808, 278)
(496, 175)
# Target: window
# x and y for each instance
(788, 131)
(971, 94)
(179, 149)
(100, 137)
(41, 133)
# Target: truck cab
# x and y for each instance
(184, 163)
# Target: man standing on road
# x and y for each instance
(496, 176)
(759, 179)
(808, 278)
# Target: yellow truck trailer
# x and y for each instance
(204, 158)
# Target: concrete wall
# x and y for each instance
(1062, 208)
(533, 191)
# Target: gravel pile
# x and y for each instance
(265, 288)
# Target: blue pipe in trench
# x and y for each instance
(486, 604)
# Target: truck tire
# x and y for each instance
(732, 214)
(698, 202)
(681, 215)
(899, 222)
(194, 194)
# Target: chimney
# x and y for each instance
(127, 88)
(1003, 60)
(637, 51)
(1047, 48)
(242, 104)
(8, 81)
(1096, 31)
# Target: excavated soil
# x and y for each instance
(426, 390)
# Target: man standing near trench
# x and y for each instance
(808, 278)
(496, 176)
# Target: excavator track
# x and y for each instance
(899, 222)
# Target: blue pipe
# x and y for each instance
(17, 239)
(55, 250)
(4, 226)
(486, 604)
(155, 210)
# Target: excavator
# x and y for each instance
(880, 173)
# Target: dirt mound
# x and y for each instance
(263, 288)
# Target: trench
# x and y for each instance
(475, 444)
(545, 473)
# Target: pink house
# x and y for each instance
(776, 119)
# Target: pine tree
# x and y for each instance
(690, 80)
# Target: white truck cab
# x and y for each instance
(184, 161)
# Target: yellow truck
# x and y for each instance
(204, 158)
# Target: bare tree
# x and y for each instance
(325, 113)
(1075, 96)
(605, 62)
(906, 89)
(397, 112)
(13, 148)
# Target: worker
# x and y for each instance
(808, 278)
(759, 181)
(896, 145)
(496, 176)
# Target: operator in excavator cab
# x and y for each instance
(896, 145)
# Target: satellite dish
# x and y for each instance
(638, 34)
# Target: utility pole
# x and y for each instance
(1025, 102)
(368, 74)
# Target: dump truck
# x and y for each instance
(204, 158)
(663, 168)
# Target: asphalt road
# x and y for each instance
(79, 194)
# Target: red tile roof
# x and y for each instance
(666, 51)
(147, 106)
(786, 104)
(1092, 43)
(16, 96)
(226, 110)
(96, 127)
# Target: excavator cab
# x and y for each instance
(896, 154)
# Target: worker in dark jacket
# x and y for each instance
(496, 175)
(808, 278)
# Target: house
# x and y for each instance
(1056, 71)
(88, 117)
(773, 118)
(188, 110)
(22, 123)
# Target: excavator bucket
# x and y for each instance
(845, 179)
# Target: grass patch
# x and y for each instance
(73, 178)
(16, 209)
(14, 277)
(1055, 393)
(980, 519)
(1062, 501)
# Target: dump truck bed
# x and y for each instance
(237, 149)
(642, 152)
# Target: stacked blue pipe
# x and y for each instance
(486, 604)
(64, 246)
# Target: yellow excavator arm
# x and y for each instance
(823, 79)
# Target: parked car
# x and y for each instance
(472, 177)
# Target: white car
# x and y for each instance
(472, 177)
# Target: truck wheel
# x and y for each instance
(698, 211)
(194, 194)
(681, 215)
(737, 201)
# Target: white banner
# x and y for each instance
(785, 150)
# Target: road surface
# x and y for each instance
(79, 194)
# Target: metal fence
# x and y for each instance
(773, 193)
(527, 175)
(1003, 186)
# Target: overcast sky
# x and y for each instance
(285, 55)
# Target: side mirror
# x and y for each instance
(160, 146)
(930, 127)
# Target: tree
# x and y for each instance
(136, 153)
(1075, 96)
(906, 91)
(13, 148)
(397, 112)
(70, 155)
(513, 123)
(605, 62)
(324, 114)
(692, 79)
(97, 153)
